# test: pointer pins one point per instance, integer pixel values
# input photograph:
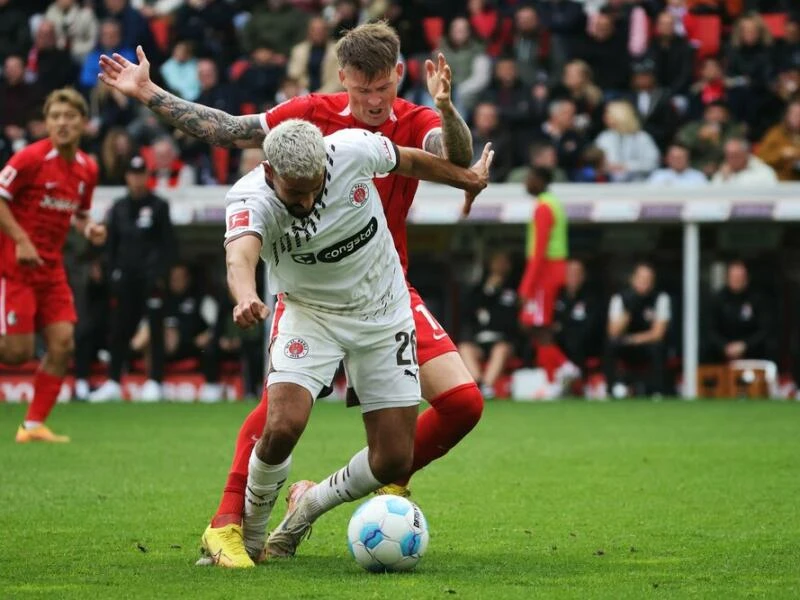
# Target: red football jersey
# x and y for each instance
(408, 125)
(43, 191)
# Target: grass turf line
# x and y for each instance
(564, 500)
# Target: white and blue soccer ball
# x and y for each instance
(387, 533)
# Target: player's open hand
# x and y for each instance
(250, 311)
(440, 80)
(27, 256)
(121, 74)
(96, 233)
(481, 169)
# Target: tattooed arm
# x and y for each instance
(208, 124)
(453, 141)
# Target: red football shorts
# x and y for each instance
(432, 339)
(29, 304)
(537, 311)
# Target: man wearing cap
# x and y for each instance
(141, 248)
(653, 103)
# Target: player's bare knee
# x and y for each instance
(60, 349)
(389, 466)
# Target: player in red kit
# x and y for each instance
(369, 71)
(43, 189)
(544, 277)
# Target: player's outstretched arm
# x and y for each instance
(241, 259)
(208, 124)
(454, 141)
(422, 165)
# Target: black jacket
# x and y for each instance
(141, 240)
(741, 317)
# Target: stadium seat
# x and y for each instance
(776, 23)
(413, 70)
(433, 28)
(161, 29)
(704, 31)
(237, 68)
(248, 108)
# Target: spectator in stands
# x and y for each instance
(313, 61)
(540, 154)
(48, 65)
(710, 89)
(20, 102)
(527, 47)
(740, 167)
(274, 24)
(638, 319)
(486, 128)
(107, 108)
(260, 81)
(15, 34)
(673, 57)
(289, 88)
(344, 16)
(740, 321)
(677, 171)
(630, 24)
(607, 54)
(156, 8)
(469, 63)
(780, 148)
(490, 324)
(76, 27)
(209, 24)
(180, 71)
(213, 92)
(135, 29)
(509, 95)
(490, 25)
(110, 43)
(787, 50)
(630, 153)
(578, 318)
(91, 333)
(141, 248)
(576, 85)
(566, 22)
(116, 153)
(749, 61)
(559, 130)
(167, 170)
(706, 138)
(653, 104)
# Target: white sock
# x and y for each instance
(347, 484)
(31, 424)
(264, 482)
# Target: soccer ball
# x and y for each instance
(387, 533)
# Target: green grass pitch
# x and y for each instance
(565, 500)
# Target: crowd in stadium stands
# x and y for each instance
(601, 90)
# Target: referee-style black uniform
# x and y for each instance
(141, 249)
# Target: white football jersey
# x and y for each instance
(341, 257)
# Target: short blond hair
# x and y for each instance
(69, 96)
(623, 116)
(371, 48)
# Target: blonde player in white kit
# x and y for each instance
(314, 216)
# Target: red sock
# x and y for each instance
(231, 507)
(550, 357)
(46, 388)
(451, 416)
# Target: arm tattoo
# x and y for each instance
(208, 124)
(454, 142)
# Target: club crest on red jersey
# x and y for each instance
(239, 219)
(359, 194)
(296, 348)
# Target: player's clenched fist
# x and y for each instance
(249, 312)
(27, 255)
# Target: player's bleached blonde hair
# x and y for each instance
(295, 149)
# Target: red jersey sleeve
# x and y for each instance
(424, 121)
(543, 220)
(17, 173)
(91, 184)
(299, 107)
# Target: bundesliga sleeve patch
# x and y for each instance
(239, 220)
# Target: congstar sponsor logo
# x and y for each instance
(349, 245)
